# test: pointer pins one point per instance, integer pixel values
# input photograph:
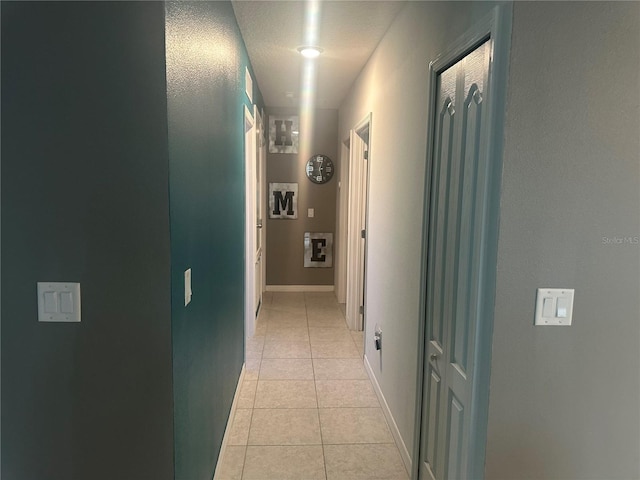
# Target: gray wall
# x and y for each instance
(565, 402)
(285, 249)
(394, 87)
(84, 199)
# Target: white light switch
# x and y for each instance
(50, 302)
(310, 212)
(187, 287)
(563, 307)
(58, 302)
(554, 306)
(66, 302)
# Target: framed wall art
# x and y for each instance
(283, 133)
(318, 250)
(283, 200)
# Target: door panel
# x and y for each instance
(468, 175)
(453, 264)
(456, 420)
(434, 395)
(444, 146)
(356, 245)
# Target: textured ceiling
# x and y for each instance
(349, 31)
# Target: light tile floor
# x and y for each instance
(307, 409)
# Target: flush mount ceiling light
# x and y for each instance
(308, 51)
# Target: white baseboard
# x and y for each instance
(299, 288)
(404, 453)
(232, 414)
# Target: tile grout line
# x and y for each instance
(246, 448)
(315, 387)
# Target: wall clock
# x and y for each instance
(319, 169)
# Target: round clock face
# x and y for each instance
(319, 169)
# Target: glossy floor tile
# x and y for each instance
(286, 369)
(284, 463)
(354, 425)
(285, 426)
(363, 462)
(306, 409)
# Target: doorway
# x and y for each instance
(461, 227)
(357, 223)
(251, 222)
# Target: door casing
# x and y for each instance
(357, 220)
(497, 27)
(259, 205)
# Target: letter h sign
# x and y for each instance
(283, 134)
(283, 200)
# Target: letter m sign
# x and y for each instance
(283, 200)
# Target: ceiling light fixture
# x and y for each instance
(308, 51)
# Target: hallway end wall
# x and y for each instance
(285, 248)
(84, 199)
(206, 61)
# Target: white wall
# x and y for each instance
(394, 87)
(563, 402)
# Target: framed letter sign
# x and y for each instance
(318, 250)
(283, 200)
(283, 134)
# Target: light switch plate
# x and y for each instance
(187, 287)
(310, 212)
(58, 302)
(554, 306)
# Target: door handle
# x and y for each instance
(434, 356)
(259, 225)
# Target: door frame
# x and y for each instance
(495, 26)
(355, 218)
(259, 199)
(250, 222)
(342, 213)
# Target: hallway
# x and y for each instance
(306, 408)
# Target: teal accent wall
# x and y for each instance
(85, 173)
(206, 61)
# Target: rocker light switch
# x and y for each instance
(547, 307)
(563, 307)
(50, 302)
(554, 306)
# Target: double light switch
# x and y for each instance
(554, 306)
(58, 302)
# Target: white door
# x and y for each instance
(356, 226)
(458, 239)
